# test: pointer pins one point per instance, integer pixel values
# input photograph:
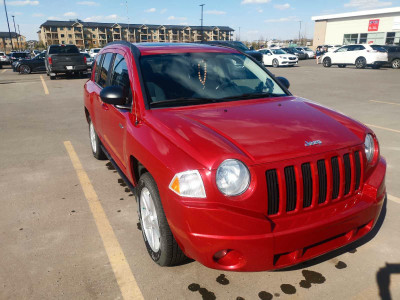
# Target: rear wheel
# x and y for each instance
(327, 62)
(396, 63)
(361, 63)
(342, 66)
(24, 69)
(95, 142)
(160, 243)
(275, 63)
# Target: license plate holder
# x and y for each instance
(70, 67)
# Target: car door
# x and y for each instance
(338, 56)
(38, 63)
(355, 52)
(268, 57)
(114, 119)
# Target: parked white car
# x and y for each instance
(306, 50)
(278, 57)
(359, 55)
(93, 52)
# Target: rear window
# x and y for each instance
(19, 55)
(69, 49)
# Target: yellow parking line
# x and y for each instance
(3, 71)
(384, 128)
(393, 198)
(392, 103)
(46, 91)
(123, 274)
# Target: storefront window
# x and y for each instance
(393, 38)
(350, 39)
(363, 38)
(377, 38)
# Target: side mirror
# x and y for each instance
(113, 95)
(284, 82)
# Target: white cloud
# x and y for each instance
(255, 1)
(287, 19)
(163, 11)
(22, 3)
(112, 17)
(260, 10)
(215, 12)
(38, 15)
(70, 14)
(367, 4)
(282, 6)
(54, 18)
(88, 3)
(177, 18)
(150, 10)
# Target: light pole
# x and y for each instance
(8, 24)
(16, 33)
(299, 32)
(19, 36)
(202, 33)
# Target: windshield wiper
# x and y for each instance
(251, 96)
(182, 101)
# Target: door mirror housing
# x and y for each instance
(284, 82)
(113, 95)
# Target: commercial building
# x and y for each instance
(378, 26)
(95, 34)
(16, 42)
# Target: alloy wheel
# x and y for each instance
(149, 220)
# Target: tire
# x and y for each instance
(52, 77)
(396, 63)
(24, 69)
(342, 66)
(361, 63)
(95, 142)
(275, 63)
(158, 238)
(327, 62)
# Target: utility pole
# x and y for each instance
(239, 33)
(16, 33)
(8, 24)
(202, 32)
(127, 14)
(299, 31)
(19, 37)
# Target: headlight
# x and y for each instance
(188, 184)
(369, 147)
(233, 177)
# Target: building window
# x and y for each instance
(393, 38)
(70, 36)
(61, 28)
(94, 36)
(350, 39)
(377, 38)
(363, 38)
(62, 35)
(63, 42)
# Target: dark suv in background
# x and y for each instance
(65, 59)
(393, 56)
(238, 46)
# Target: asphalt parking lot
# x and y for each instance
(68, 223)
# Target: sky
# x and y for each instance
(257, 19)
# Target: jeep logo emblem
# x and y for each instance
(313, 143)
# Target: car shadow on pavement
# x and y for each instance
(383, 279)
(348, 248)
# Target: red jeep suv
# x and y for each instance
(228, 167)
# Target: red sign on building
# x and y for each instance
(373, 25)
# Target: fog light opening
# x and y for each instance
(228, 258)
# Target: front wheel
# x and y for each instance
(396, 63)
(361, 63)
(95, 142)
(160, 243)
(24, 69)
(327, 62)
(275, 63)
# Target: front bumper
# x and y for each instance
(289, 62)
(254, 242)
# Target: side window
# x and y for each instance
(343, 49)
(105, 66)
(97, 68)
(120, 77)
(358, 48)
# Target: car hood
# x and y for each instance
(255, 131)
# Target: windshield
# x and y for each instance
(96, 50)
(69, 49)
(180, 79)
(278, 51)
(307, 49)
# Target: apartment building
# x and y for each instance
(17, 41)
(95, 34)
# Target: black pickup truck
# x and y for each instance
(65, 59)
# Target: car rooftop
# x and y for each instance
(164, 48)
